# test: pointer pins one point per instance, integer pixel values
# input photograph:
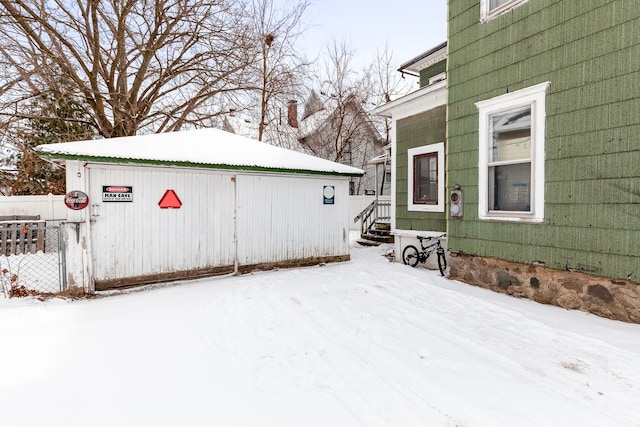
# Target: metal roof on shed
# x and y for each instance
(212, 148)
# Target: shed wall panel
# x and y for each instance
(139, 238)
(284, 218)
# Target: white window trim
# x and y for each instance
(533, 96)
(426, 149)
(488, 15)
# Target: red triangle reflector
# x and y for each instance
(170, 200)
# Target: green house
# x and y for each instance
(540, 127)
(418, 151)
(544, 142)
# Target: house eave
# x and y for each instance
(387, 110)
(425, 60)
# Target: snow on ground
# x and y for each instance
(361, 343)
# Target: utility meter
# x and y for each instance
(455, 205)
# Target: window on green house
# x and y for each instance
(511, 155)
(489, 9)
(510, 161)
(425, 181)
(426, 178)
(494, 4)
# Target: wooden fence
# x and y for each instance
(22, 235)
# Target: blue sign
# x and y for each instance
(329, 194)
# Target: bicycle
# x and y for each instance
(411, 255)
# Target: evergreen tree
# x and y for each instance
(58, 118)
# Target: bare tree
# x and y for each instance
(348, 132)
(345, 132)
(341, 97)
(385, 85)
(281, 68)
(152, 65)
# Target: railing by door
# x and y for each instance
(377, 211)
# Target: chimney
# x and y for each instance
(292, 116)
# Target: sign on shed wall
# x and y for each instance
(117, 193)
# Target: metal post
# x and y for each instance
(376, 191)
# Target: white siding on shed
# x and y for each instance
(283, 218)
(139, 238)
(245, 205)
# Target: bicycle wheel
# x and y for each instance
(410, 256)
(442, 262)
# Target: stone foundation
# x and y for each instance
(614, 299)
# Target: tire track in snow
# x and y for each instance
(355, 359)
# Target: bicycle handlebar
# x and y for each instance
(421, 238)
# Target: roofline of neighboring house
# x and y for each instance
(385, 109)
(422, 61)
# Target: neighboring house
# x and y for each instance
(279, 133)
(341, 132)
(418, 151)
(232, 123)
(543, 125)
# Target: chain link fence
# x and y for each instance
(32, 258)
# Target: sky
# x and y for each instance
(409, 27)
(360, 343)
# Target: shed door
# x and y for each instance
(136, 241)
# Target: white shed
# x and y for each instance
(198, 203)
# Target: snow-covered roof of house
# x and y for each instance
(278, 134)
(318, 112)
(212, 148)
(311, 123)
(240, 126)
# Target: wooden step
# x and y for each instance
(382, 238)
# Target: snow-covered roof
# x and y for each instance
(203, 147)
(278, 134)
(241, 126)
(311, 123)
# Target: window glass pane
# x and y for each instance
(510, 187)
(510, 136)
(493, 4)
(426, 179)
(433, 169)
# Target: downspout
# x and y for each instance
(376, 188)
(235, 225)
(87, 244)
